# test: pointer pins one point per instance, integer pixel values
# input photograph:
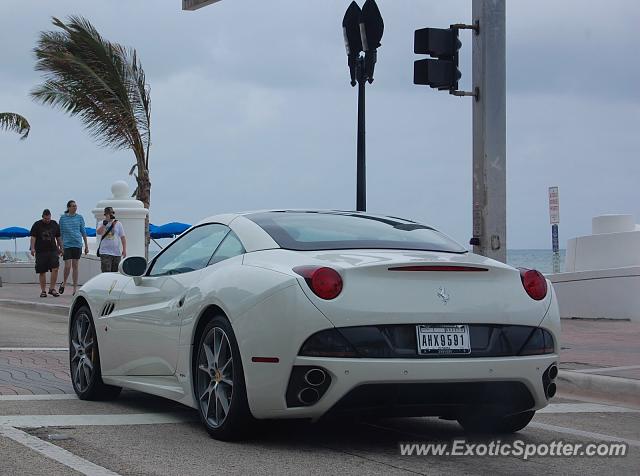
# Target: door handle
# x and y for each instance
(181, 301)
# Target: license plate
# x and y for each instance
(443, 339)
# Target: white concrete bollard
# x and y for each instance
(612, 224)
(129, 212)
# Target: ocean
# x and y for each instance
(542, 260)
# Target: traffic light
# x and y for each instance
(442, 44)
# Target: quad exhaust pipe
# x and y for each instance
(308, 396)
(315, 377)
(307, 385)
(551, 390)
(548, 383)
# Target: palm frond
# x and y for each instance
(11, 121)
(99, 81)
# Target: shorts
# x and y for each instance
(46, 261)
(109, 263)
(71, 253)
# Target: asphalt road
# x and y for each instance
(27, 328)
(131, 436)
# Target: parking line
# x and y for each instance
(587, 434)
(35, 349)
(51, 396)
(55, 453)
(607, 369)
(585, 408)
(36, 421)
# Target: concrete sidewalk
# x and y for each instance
(599, 358)
(28, 296)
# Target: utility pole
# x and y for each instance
(489, 130)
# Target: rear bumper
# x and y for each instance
(267, 384)
(352, 379)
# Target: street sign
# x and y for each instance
(554, 217)
(554, 205)
(195, 4)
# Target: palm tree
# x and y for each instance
(11, 121)
(104, 85)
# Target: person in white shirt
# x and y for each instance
(112, 234)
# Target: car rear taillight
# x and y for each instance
(325, 282)
(534, 283)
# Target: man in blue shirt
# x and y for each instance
(73, 233)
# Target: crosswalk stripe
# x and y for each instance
(55, 452)
(36, 421)
(34, 349)
(585, 408)
(54, 396)
(607, 369)
(586, 434)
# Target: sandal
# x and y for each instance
(54, 293)
(61, 289)
(43, 294)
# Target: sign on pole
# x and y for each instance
(554, 205)
(195, 4)
(554, 217)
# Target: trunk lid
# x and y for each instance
(487, 291)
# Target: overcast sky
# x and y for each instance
(252, 108)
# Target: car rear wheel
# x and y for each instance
(478, 423)
(219, 383)
(84, 359)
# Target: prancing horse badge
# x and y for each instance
(442, 294)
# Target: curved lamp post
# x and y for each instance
(363, 29)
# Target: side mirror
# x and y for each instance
(133, 266)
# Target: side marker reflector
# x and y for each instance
(267, 360)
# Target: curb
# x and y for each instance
(60, 309)
(624, 391)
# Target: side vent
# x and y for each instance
(107, 309)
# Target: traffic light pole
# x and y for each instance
(489, 130)
(361, 174)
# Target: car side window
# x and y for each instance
(191, 251)
(230, 247)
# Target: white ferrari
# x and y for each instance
(302, 314)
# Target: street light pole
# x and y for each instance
(361, 173)
(489, 131)
(362, 29)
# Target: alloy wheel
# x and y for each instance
(215, 377)
(82, 352)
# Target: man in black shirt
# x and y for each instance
(46, 247)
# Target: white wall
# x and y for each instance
(614, 243)
(25, 273)
(605, 251)
(610, 293)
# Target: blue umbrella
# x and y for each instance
(174, 228)
(12, 233)
(155, 232)
(168, 230)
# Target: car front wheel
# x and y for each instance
(84, 359)
(219, 383)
